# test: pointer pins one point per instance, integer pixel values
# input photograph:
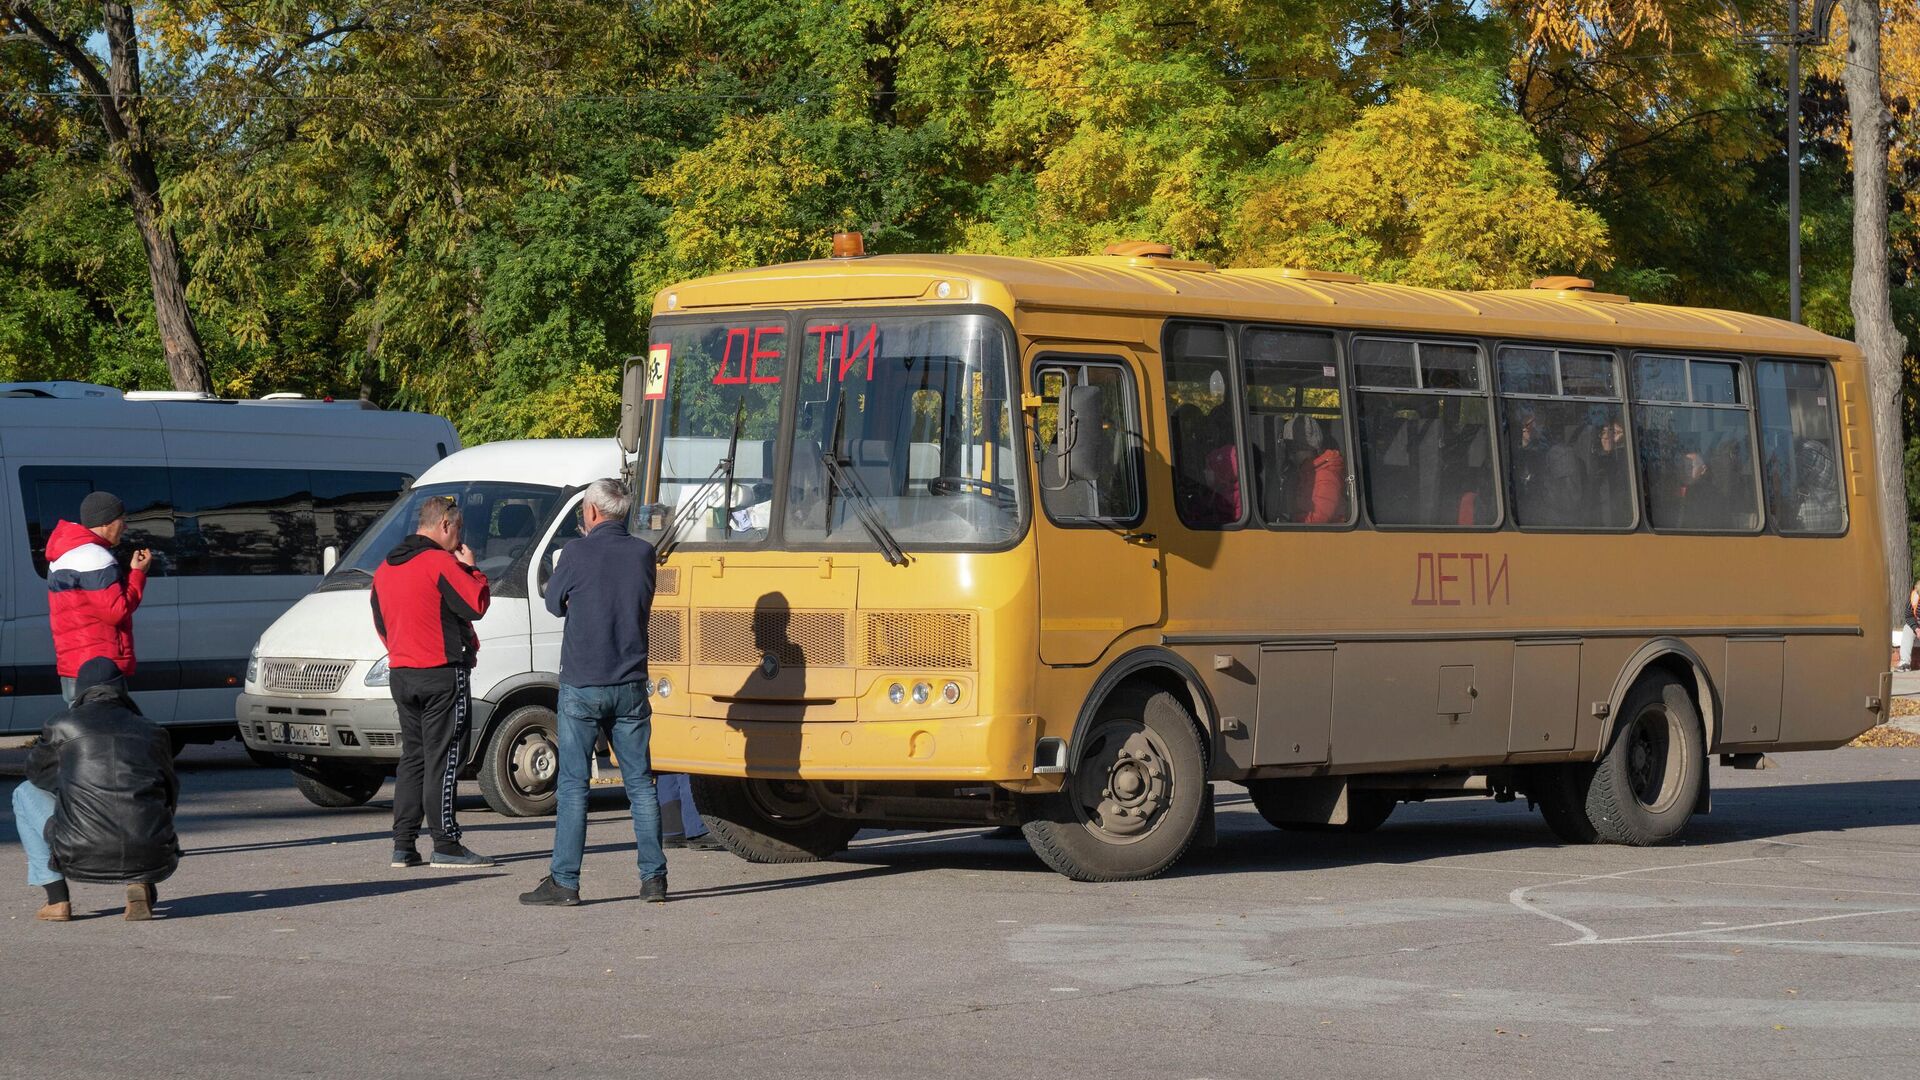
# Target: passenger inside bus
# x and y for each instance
(1317, 478)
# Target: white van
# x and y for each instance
(239, 500)
(316, 690)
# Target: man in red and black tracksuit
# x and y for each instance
(426, 595)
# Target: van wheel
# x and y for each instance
(521, 763)
(1133, 802)
(1645, 786)
(770, 821)
(1366, 810)
(335, 788)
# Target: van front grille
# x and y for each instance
(304, 676)
(666, 636)
(940, 640)
(383, 738)
(795, 638)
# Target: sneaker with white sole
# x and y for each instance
(460, 859)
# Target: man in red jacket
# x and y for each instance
(90, 603)
(426, 596)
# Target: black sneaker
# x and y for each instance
(406, 858)
(550, 893)
(705, 842)
(654, 890)
(460, 859)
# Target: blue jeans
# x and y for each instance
(32, 809)
(674, 790)
(623, 714)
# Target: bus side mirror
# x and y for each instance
(633, 381)
(329, 558)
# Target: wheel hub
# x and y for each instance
(535, 762)
(1135, 789)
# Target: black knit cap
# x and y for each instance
(99, 671)
(101, 508)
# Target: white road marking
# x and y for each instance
(1750, 926)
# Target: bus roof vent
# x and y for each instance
(1576, 288)
(1304, 274)
(1151, 255)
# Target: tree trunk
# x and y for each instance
(1873, 324)
(179, 339)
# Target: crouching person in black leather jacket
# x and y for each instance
(98, 802)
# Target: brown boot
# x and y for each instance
(60, 912)
(140, 900)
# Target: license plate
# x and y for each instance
(302, 734)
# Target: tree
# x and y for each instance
(116, 95)
(1874, 329)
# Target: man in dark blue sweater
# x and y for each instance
(603, 587)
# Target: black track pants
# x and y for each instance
(434, 712)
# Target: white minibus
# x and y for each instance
(240, 501)
(316, 690)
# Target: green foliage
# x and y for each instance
(467, 206)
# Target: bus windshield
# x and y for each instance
(914, 409)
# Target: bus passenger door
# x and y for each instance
(1100, 573)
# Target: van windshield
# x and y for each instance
(503, 522)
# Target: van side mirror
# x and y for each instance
(329, 558)
(633, 381)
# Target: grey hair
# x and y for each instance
(611, 497)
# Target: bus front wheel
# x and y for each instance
(1645, 786)
(1133, 802)
(770, 821)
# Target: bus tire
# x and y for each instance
(337, 788)
(1366, 810)
(1647, 784)
(520, 765)
(1132, 804)
(770, 821)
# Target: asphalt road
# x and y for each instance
(1783, 940)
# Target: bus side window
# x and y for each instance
(1424, 433)
(1691, 425)
(1295, 427)
(1800, 447)
(1565, 438)
(1097, 477)
(1204, 425)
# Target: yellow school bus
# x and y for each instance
(1058, 543)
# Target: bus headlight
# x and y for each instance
(950, 693)
(922, 693)
(663, 687)
(379, 674)
(896, 693)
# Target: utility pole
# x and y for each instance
(1793, 163)
(1815, 35)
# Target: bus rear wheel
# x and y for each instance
(1132, 804)
(1366, 810)
(1645, 786)
(770, 821)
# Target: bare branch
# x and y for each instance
(76, 57)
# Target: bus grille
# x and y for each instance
(666, 581)
(918, 639)
(796, 639)
(304, 676)
(666, 636)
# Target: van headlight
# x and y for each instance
(379, 674)
(253, 666)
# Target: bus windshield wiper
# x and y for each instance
(848, 484)
(703, 495)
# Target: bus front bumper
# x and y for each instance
(987, 749)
